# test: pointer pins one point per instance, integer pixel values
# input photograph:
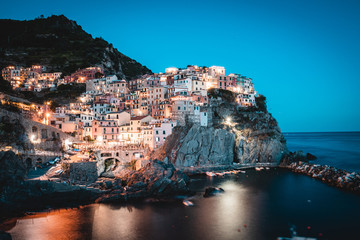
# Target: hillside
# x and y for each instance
(61, 45)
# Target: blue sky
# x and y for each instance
(304, 56)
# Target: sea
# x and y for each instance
(255, 205)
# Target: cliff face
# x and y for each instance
(206, 146)
(258, 138)
(243, 135)
(12, 169)
(61, 45)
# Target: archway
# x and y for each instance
(112, 163)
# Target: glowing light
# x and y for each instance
(32, 138)
(228, 121)
(67, 142)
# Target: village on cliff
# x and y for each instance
(123, 119)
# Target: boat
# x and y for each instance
(188, 203)
(267, 168)
(210, 174)
(259, 168)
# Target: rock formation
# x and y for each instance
(12, 169)
(330, 175)
(206, 146)
(156, 179)
(244, 135)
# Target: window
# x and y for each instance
(157, 132)
(164, 132)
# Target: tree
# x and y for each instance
(261, 103)
(99, 75)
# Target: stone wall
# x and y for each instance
(83, 172)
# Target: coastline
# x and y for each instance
(200, 170)
(329, 175)
(44, 195)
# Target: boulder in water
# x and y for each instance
(212, 191)
(310, 157)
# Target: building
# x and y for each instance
(82, 75)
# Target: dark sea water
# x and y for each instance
(255, 205)
(340, 149)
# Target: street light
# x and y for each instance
(47, 118)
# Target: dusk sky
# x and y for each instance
(304, 56)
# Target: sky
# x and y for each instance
(304, 56)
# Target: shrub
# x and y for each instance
(261, 103)
(224, 94)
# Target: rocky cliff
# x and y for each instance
(156, 179)
(206, 146)
(244, 135)
(61, 45)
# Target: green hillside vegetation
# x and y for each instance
(61, 45)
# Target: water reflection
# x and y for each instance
(256, 207)
(59, 224)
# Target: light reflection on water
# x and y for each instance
(267, 202)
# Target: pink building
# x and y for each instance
(162, 129)
(105, 131)
(161, 110)
(225, 82)
(82, 75)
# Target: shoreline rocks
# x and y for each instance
(156, 179)
(329, 175)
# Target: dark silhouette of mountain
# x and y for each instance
(61, 45)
